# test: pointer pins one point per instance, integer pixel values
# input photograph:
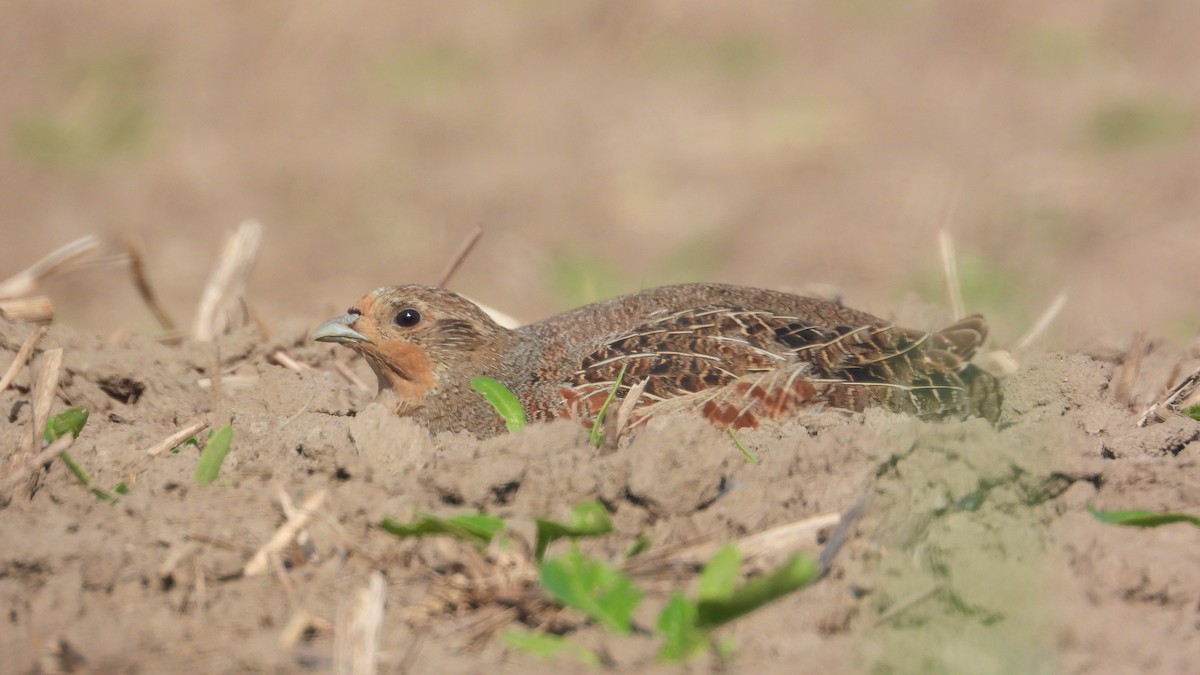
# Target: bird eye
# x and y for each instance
(408, 318)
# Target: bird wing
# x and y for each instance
(680, 353)
(737, 366)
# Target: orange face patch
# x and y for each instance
(402, 366)
(409, 371)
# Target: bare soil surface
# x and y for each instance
(604, 146)
(974, 552)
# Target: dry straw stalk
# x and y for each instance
(227, 285)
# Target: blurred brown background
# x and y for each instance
(607, 146)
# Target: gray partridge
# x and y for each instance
(734, 355)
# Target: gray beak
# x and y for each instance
(338, 330)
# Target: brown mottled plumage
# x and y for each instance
(736, 355)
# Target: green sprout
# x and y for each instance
(476, 528)
(213, 455)
(588, 519)
(687, 625)
(549, 646)
(750, 456)
(1136, 123)
(1141, 518)
(505, 403)
(598, 589)
(597, 434)
(71, 421)
(609, 597)
(638, 547)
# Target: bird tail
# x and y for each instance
(925, 374)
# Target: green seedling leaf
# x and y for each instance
(686, 625)
(677, 623)
(792, 575)
(588, 519)
(720, 575)
(84, 479)
(69, 421)
(476, 528)
(549, 646)
(1192, 411)
(750, 456)
(725, 648)
(213, 455)
(191, 441)
(121, 488)
(1137, 123)
(505, 403)
(638, 547)
(102, 495)
(1142, 518)
(603, 593)
(75, 469)
(597, 434)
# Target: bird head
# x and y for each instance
(417, 339)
